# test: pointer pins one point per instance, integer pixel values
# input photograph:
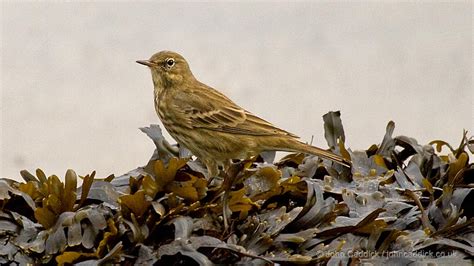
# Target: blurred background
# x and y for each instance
(72, 95)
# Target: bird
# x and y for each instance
(209, 124)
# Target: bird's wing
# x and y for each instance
(207, 108)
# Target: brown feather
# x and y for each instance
(209, 124)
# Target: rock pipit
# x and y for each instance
(209, 124)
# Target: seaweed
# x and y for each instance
(402, 202)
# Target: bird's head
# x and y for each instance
(168, 68)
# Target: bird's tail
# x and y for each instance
(297, 146)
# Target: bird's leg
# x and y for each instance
(212, 170)
(229, 176)
(229, 172)
(226, 187)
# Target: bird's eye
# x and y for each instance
(170, 62)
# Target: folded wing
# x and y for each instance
(219, 113)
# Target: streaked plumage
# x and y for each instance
(209, 124)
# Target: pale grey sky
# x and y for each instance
(72, 95)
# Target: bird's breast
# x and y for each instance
(160, 103)
(168, 112)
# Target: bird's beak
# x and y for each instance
(146, 63)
